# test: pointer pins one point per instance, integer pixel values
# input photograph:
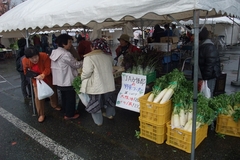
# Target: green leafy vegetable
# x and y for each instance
(137, 134)
(77, 84)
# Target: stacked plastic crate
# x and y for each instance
(153, 119)
(226, 125)
(182, 139)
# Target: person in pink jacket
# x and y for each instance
(64, 69)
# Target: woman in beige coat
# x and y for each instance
(98, 81)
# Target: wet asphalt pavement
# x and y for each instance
(23, 138)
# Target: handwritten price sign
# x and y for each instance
(133, 87)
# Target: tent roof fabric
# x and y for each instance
(35, 14)
(212, 21)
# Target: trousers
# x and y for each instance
(40, 104)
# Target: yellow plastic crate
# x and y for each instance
(155, 113)
(155, 133)
(182, 139)
(226, 125)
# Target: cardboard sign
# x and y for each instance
(133, 87)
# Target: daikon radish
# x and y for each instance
(150, 97)
(167, 96)
(172, 123)
(189, 129)
(182, 118)
(190, 114)
(176, 121)
(198, 124)
(160, 96)
(187, 125)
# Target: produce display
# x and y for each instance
(228, 105)
(142, 63)
(77, 84)
(176, 87)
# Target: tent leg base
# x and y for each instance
(235, 83)
(34, 115)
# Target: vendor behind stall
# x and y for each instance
(157, 34)
(125, 47)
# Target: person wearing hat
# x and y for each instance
(209, 61)
(125, 46)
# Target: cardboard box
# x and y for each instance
(161, 46)
(169, 39)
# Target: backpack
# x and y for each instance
(20, 56)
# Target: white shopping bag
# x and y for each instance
(43, 90)
(205, 90)
(84, 98)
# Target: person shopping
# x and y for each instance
(209, 60)
(64, 69)
(98, 81)
(40, 63)
(25, 85)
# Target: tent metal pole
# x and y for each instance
(195, 79)
(232, 33)
(237, 83)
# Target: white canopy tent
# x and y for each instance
(201, 21)
(221, 26)
(44, 14)
(34, 14)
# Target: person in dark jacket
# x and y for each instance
(167, 32)
(209, 61)
(25, 85)
(157, 34)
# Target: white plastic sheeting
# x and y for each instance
(221, 26)
(216, 20)
(201, 21)
(42, 14)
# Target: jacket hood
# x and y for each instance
(207, 41)
(94, 52)
(57, 53)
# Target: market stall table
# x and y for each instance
(4, 53)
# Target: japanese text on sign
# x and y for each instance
(133, 87)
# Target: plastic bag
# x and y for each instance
(205, 90)
(43, 90)
(84, 98)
